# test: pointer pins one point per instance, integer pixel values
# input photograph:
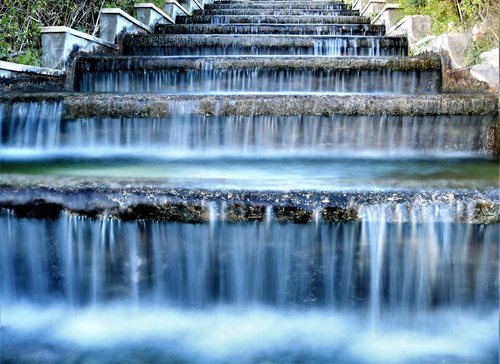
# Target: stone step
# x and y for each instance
(205, 45)
(278, 5)
(40, 129)
(78, 105)
(258, 74)
(130, 201)
(276, 12)
(278, 29)
(270, 19)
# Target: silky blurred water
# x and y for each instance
(410, 287)
(120, 334)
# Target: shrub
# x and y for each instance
(21, 20)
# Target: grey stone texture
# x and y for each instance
(487, 71)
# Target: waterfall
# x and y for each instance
(395, 262)
(40, 127)
(33, 124)
(282, 184)
(351, 290)
(260, 79)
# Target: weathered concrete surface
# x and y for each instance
(10, 69)
(488, 70)
(276, 19)
(184, 40)
(415, 27)
(126, 63)
(301, 29)
(278, 5)
(128, 105)
(454, 44)
(59, 43)
(150, 15)
(147, 202)
(190, 5)
(276, 12)
(173, 9)
(29, 82)
(19, 77)
(372, 8)
(114, 22)
(186, 44)
(460, 81)
(387, 16)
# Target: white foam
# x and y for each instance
(230, 333)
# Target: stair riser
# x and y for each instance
(48, 133)
(259, 19)
(277, 12)
(179, 45)
(347, 29)
(277, 5)
(137, 64)
(109, 105)
(262, 80)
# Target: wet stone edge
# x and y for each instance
(201, 206)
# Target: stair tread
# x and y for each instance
(82, 104)
(258, 44)
(236, 28)
(307, 19)
(130, 199)
(277, 12)
(100, 63)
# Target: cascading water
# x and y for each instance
(33, 125)
(272, 225)
(41, 127)
(262, 80)
(303, 29)
(236, 44)
(400, 266)
(94, 262)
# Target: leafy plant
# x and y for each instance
(463, 14)
(477, 47)
(21, 20)
(30, 56)
(442, 12)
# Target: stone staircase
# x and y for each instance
(261, 182)
(257, 78)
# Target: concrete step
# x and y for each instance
(276, 12)
(205, 45)
(270, 19)
(278, 29)
(331, 5)
(46, 198)
(49, 133)
(259, 74)
(79, 105)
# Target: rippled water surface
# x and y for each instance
(264, 172)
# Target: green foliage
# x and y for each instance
(442, 12)
(477, 47)
(30, 56)
(128, 5)
(463, 14)
(485, 12)
(19, 29)
(21, 20)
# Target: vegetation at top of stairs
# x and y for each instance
(461, 15)
(21, 20)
